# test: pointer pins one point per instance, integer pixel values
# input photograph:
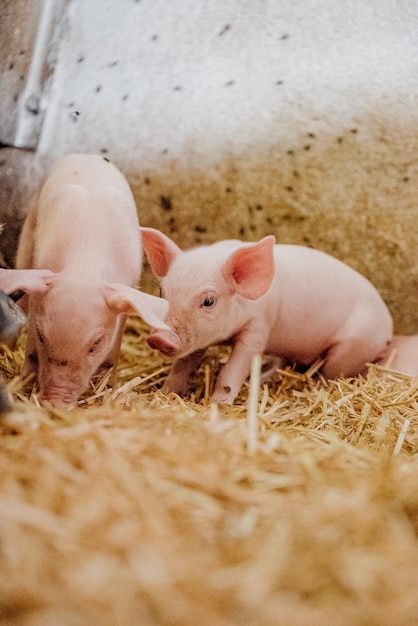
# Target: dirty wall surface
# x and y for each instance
(242, 118)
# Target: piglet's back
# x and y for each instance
(87, 221)
(87, 170)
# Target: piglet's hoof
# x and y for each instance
(223, 396)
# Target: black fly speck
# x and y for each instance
(166, 203)
(224, 30)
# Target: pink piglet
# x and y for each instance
(79, 262)
(289, 301)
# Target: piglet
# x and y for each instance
(289, 301)
(79, 259)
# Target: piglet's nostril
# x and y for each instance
(153, 343)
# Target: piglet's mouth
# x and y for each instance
(166, 342)
(56, 399)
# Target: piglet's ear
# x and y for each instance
(250, 269)
(29, 281)
(160, 250)
(124, 299)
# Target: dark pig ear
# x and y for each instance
(28, 281)
(250, 269)
(160, 250)
(12, 319)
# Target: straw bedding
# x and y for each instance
(137, 508)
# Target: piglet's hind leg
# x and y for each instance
(348, 358)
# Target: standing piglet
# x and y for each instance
(289, 301)
(79, 259)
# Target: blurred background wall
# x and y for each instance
(230, 118)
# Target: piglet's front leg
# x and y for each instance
(178, 378)
(237, 369)
(113, 356)
(30, 364)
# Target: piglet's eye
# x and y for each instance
(95, 346)
(208, 302)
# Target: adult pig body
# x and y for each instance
(293, 302)
(83, 228)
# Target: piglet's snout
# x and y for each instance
(166, 342)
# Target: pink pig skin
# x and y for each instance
(289, 301)
(79, 259)
(402, 355)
